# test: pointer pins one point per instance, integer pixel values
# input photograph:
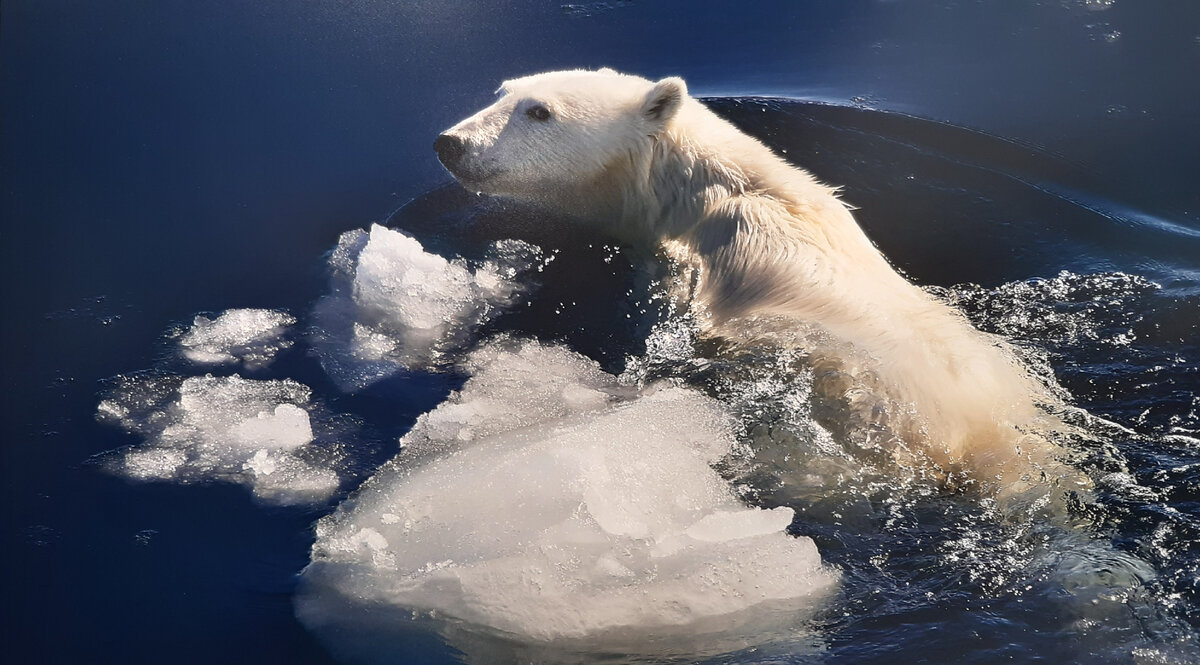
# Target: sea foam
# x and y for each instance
(549, 503)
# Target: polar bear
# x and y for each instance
(767, 242)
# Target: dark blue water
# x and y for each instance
(164, 159)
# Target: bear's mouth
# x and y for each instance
(474, 179)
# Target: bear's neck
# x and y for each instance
(702, 169)
(767, 235)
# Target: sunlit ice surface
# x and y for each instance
(545, 502)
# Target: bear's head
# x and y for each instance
(552, 137)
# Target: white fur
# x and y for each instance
(657, 168)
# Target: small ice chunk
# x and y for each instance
(393, 305)
(721, 527)
(401, 286)
(262, 463)
(286, 427)
(154, 463)
(518, 506)
(253, 432)
(249, 336)
(282, 478)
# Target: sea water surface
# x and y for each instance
(236, 279)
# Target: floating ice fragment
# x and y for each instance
(282, 478)
(286, 427)
(393, 305)
(250, 336)
(547, 502)
(154, 463)
(257, 433)
(722, 526)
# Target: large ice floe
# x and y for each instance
(546, 503)
(394, 306)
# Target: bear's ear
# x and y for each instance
(606, 70)
(664, 99)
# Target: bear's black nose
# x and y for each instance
(450, 150)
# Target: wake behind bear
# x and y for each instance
(771, 253)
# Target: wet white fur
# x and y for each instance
(657, 168)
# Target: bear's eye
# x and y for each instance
(538, 112)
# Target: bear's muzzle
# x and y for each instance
(450, 151)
